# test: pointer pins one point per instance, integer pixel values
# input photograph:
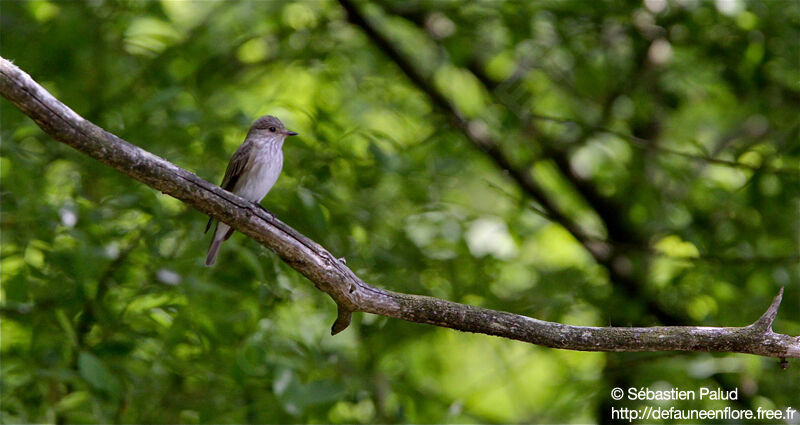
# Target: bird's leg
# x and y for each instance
(271, 215)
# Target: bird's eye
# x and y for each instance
(272, 129)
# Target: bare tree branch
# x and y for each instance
(331, 276)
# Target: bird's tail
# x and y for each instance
(212, 252)
(221, 234)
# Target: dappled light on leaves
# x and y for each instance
(677, 117)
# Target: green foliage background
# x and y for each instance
(109, 316)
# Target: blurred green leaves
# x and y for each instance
(109, 316)
(97, 375)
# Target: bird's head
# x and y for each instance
(270, 127)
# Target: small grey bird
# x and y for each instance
(252, 172)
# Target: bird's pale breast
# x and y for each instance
(261, 174)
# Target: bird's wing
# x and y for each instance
(234, 171)
(236, 166)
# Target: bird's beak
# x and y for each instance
(291, 133)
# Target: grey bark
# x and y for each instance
(333, 277)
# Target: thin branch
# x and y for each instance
(645, 144)
(331, 276)
(764, 323)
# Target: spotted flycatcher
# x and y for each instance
(252, 171)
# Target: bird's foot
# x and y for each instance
(271, 215)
